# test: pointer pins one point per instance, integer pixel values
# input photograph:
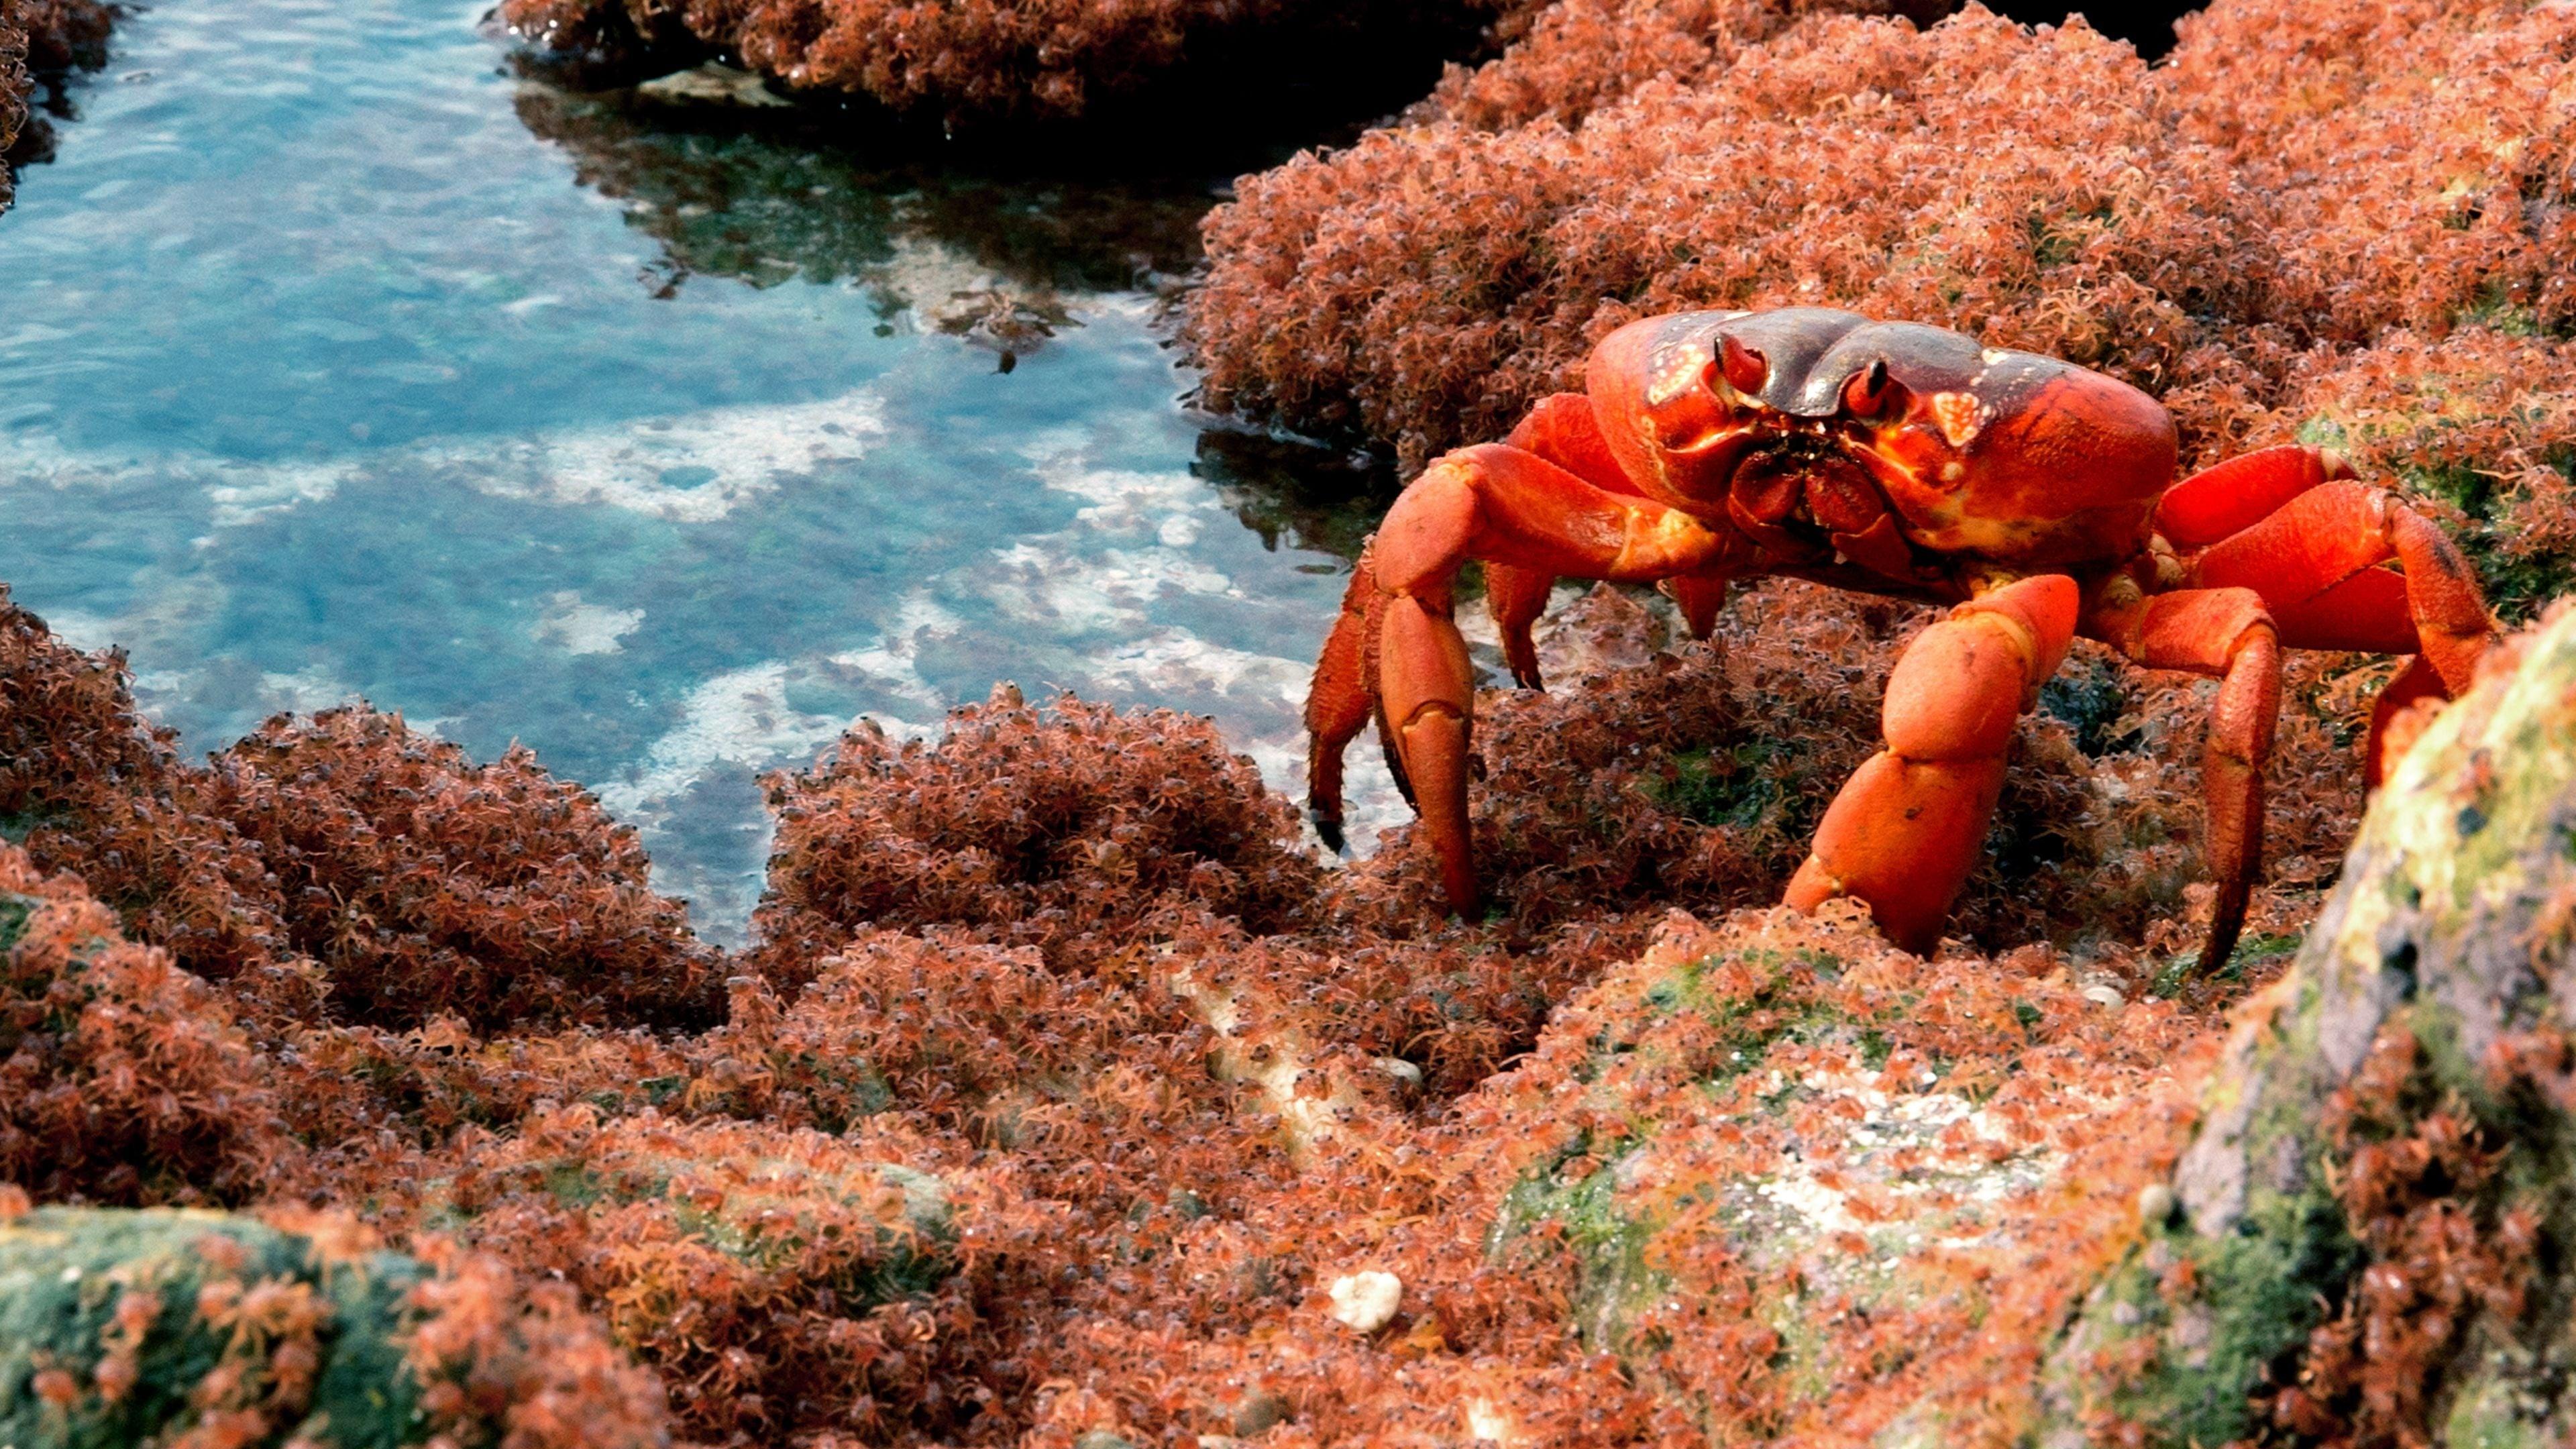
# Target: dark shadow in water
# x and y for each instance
(1300, 494)
(992, 256)
(1243, 99)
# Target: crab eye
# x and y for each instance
(1866, 393)
(1746, 370)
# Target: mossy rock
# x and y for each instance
(1680, 1053)
(2450, 938)
(69, 1275)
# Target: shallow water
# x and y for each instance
(341, 360)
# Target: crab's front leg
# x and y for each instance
(1564, 430)
(1908, 826)
(1395, 649)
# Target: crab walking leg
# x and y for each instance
(1908, 826)
(1341, 698)
(2243, 491)
(1517, 596)
(2228, 633)
(1563, 429)
(2315, 562)
(1501, 504)
(2393, 722)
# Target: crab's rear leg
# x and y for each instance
(2290, 524)
(1907, 828)
(1564, 430)
(1506, 506)
(2228, 633)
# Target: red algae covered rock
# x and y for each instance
(1009, 60)
(422, 883)
(1427, 284)
(123, 1079)
(781, 1280)
(342, 864)
(2297, 176)
(2412, 160)
(1036, 826)
(2359, 1242)
(1574, 55)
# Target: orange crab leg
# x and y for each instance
(2393, 722)
(1504, 505)
(2314, 560)
(1908, 826)
(2317, 562)
(2228, 633)
(1565, 431)
(2215, 502)
(1342, 696)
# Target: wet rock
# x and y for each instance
(713, 84)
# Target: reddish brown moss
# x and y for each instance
(2298, 175)
(1572, 56)
(343, 864)
(424, 883)
(1015, 59)
(782, 1281)
(1040, 827)
(123, 1079)
(2032, 190)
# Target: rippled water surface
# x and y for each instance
(340, 360)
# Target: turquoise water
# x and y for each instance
(340, 359)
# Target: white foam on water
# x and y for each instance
(577, 627)
(893, 660)
(736, 720)
(691, 467)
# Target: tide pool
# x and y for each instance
(341, 359)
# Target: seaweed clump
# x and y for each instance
(1020, 61)
(2201, 229)
(123, 1079)
(1037, 827)
(343, 865)
(2031, 189)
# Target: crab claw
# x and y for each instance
(1907, 828)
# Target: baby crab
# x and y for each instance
(2035, 497)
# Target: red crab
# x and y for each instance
(1891, 458)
